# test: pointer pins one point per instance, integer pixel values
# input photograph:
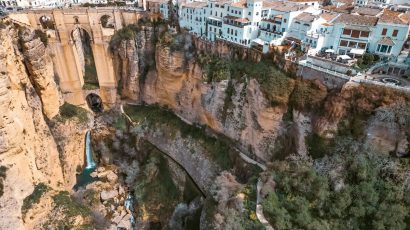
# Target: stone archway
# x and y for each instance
(94, 102)
(82, 42)
(107, 21)
(47, 22)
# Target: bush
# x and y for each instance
(218, 148)
(355, 185)
(126, 33)
(3, 170)
(34, 198)
(42, 35)
(307, 96)
(274, 83)
(69, 111)
(70, 207)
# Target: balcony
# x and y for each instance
(235, 21)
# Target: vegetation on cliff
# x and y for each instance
(273, 82)
(3, 170)
(69, 111)
(345, 182)
(155, 117)
(66, 213)
(357, 185)
(34, 198)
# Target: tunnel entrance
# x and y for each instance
(94, 102)
(82, 43)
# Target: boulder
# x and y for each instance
(108, 194)
(111, 176)
(94, 174)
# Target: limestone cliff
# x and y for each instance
(27, 147)
(32, 151)
(41, 72)
(178, 83)
(132, 60)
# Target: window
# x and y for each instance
(347, 32)
(364, 34)
(257, 13)
(355, 33)
(395, 32)
(285, 20)
(352, 44)
(384, 32)
(343, 43)
(362, 45)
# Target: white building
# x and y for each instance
(192, 17)
(33, 3)
(390, 34)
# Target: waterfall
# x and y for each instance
(88, 151)
(129, 205)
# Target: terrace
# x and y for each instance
(235, 21)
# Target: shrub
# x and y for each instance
(218, 148)
(368, 58)
(70, 207)
(307, 96)
(355, 185)
(3, 170)
(42, 35)
(126, 33)
(34, 198)
(274, 83)
(69, 111)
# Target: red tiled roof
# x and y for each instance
(328, 16)
(392, 17)
(240, 4)
(305, 17)
(351, 19)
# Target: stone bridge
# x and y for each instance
(60, 25)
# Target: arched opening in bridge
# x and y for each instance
(47, 22)
(94, 102)
(107, 22)
(85, 59)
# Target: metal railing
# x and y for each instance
(354, 79)
(321, 69)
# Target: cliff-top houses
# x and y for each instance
(266, 23)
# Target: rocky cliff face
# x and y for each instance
(27, 147)
(178, 83)
(29, 97)
(132, 62)
(41, 72)
(239, 110)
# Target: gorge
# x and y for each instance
(174, 132)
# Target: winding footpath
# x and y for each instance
(259, 208)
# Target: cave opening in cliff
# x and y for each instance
(84, 58)
(94, 102)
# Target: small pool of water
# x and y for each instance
(84, 178)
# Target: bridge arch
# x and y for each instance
(84, 57)
(94, 102)
(47, 22)
(107, 21)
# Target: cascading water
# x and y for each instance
(88, 151)
(85, 177)
(129, 205)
